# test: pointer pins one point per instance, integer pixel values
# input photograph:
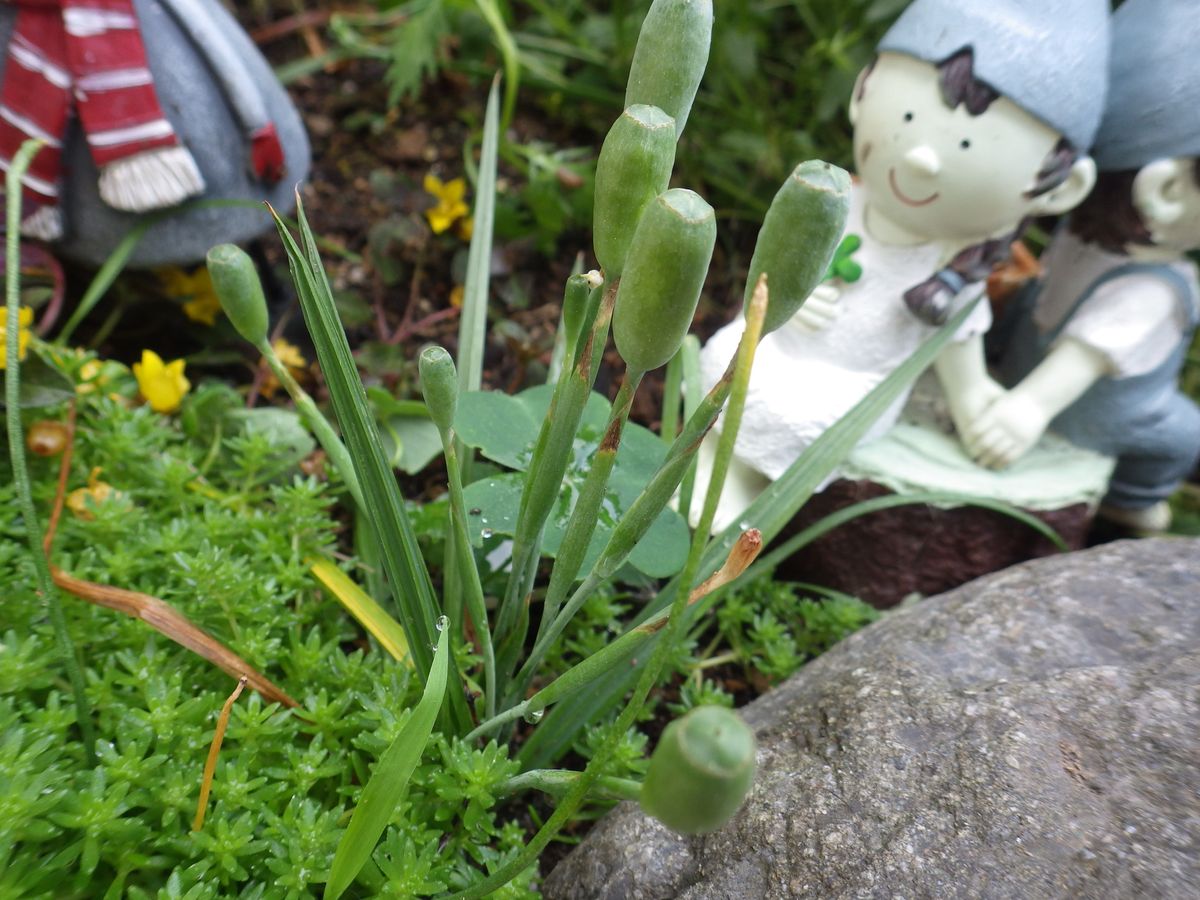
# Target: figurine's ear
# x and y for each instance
(1158, 191)
(856, 96)
(1073, 191)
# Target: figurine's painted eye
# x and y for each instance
(965, 144)
(908, 117)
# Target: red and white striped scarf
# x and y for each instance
(89, 52)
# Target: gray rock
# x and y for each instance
(1033, 734)
(196, 107)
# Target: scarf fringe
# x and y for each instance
(154, 179)
(44, 225)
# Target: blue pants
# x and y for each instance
(1144, 421)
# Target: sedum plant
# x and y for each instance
(462, 689)
(436, 728)
(654, 247)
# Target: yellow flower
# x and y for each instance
(81, 500)
(203, 309)
(162, 384)
(24, 320)
(202, 304)
(289, 354)
(89, 377)
(466, 228)
(456, 296)
(450, 204)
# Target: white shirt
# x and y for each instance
(1135, 321)
(803, 381)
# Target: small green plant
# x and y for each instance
(386, 777)
(769, 628)
(655, 246)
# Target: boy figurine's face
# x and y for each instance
(943, 174)
(1167, 197)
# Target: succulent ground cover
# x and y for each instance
(196, 481)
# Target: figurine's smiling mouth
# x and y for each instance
(903, 197)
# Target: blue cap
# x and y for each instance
(1154, 100)
(1050, 57)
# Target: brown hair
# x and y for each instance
(930, 300)
(1108, 218)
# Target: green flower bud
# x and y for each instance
(439, 385)
(634, 167)
(671, 54)
(664, 273)
(701, 771)
(799, 236)
(235, 279)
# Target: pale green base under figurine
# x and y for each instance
(921, 454)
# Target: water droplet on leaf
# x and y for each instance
(441, 623)
(534, 716)
(486, 533)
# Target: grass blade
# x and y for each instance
(401, 556)
(508, 52)
(16, 443)
(472, 328)
(369, 614)
(386, 787)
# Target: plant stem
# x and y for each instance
(671, 632)
(551, 456)
(557, 782)
(468, 571)
(644, 510)
(16, 446)
(326, 436)
(585, 516)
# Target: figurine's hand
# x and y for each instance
(968, 403)
(821, 308)
(1006, 430)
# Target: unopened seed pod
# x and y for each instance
(670, 58)
(664, 273)
(701, 771)
(439, 385)
(799, 235)
(235, 279)
(634, 167)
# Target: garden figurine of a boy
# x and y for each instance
(974, 117)
(1095, 349)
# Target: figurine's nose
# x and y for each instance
(924, 160)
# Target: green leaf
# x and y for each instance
(204, 409)
(414, 51)
(386, 788)
(400, 554)
(472, 328)
(498, 425)
(659, 554)
(504, 429)
(284, 428)
(40, 385)
(410, 438)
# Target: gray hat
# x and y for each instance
(1154, 100)
(1050, 57)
